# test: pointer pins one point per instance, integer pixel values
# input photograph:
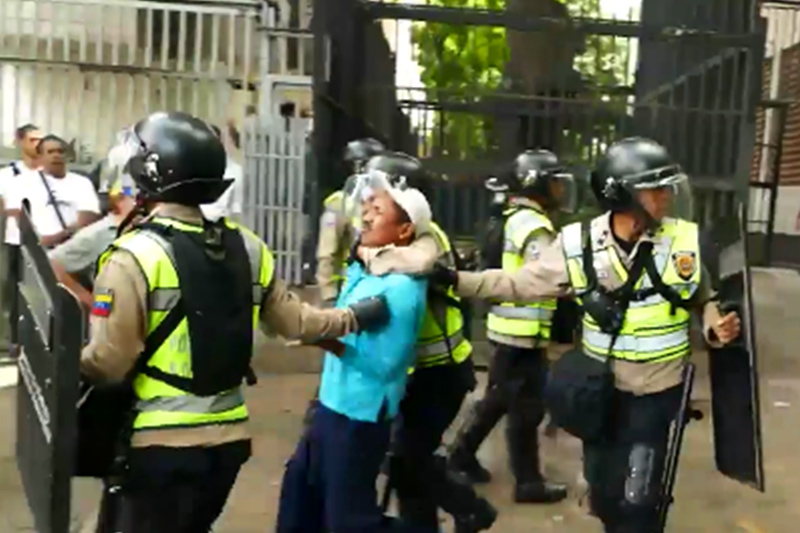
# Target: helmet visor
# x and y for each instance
(359, 188)
(564, 192)
(666, 196)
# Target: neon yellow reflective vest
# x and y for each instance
(441, 340)
(164, 406)
(335, 202)
(651, 332)
(522, 320)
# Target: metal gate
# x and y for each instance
(275, 192)
(497, 76)
(84, 69)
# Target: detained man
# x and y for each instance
(329, 483)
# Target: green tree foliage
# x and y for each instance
(462, 63)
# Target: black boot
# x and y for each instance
(482, 518)
(523, 453)
(456, 496)
(539, 492)
(467, 464)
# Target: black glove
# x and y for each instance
(444, 276)
(371, 313)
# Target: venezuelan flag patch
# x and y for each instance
(103, 302)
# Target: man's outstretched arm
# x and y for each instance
(417, 258)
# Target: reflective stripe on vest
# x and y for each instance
(335, 202)
(434, 346)
(651, 332)
(521, 320)
(161, 405)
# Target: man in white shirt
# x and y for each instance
(26, 138)
(230, 203)
(60, 201)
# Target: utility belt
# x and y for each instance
(580, 390)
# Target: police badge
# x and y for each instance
(685, 264)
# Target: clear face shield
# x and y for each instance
(670, 196)
(115, 178)
(564, 192)
(359, 188)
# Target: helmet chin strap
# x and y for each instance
(140, 210)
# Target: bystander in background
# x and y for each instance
(61, 202)
(26, 138)
(75, 261)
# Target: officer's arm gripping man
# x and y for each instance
(118, 338)
(546, 276)
(417, 258)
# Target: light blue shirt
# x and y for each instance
(373, 371)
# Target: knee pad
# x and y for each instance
(640, 486)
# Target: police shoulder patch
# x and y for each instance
(329, 219)
(103, 302)
(685, 264)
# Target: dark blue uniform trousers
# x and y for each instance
(329, 483)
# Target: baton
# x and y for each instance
(685, 414)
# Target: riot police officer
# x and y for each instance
(175, 304)
(644, 277)
(443, 373)
(336, 231)
(539, 184)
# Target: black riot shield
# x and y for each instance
(732, 369)
(49, 334)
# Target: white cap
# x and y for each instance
(416, 206)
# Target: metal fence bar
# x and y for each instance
(84, 69)
(274, 188)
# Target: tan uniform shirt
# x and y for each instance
(118, 340)
(333, 248)
(417, 258)
(547, 276)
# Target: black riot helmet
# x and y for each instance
(177, 158)
(399, 167)
(359, 151)
(540, 174)
(634, 165)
